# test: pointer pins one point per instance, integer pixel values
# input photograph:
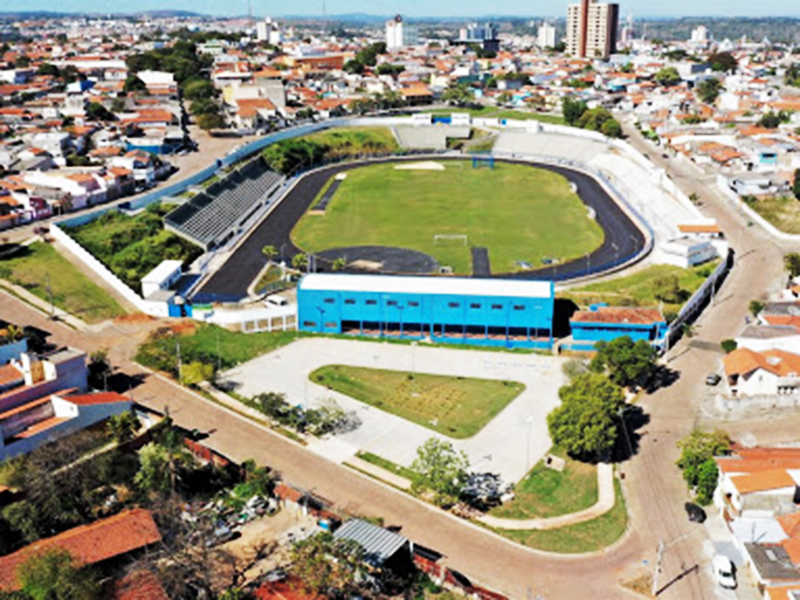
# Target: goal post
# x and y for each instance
(482, 161)
(450, 239)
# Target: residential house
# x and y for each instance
(767, 373)
(99, 544)
(43, 398)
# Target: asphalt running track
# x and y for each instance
(623, 239)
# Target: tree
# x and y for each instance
(585, 424)
(458, 94)
(440, 470)
(796, 185)
(354, 67)
(199, 88)
(208, 122)
(195, 373)
(668, 76)
(707, 478)
(698, 450)
(574, 367)
(53, 575)
(708, 90)
(269, 252)
(755, 307)
(98, 112)
(154, 472)
(328, 567)
(770, 120)
(300, 262)
(792, 75)
(611, 128)
(133, 84)
(339, 264)
(791, 263)
(626, 362)
(48, 69)
(122, 428)
(118, 105)
(99, 369)
(728, 346)
(723, 61)
(573, 110)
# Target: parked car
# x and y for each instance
(713, 379)
(724, 571)
(695, 513)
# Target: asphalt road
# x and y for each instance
(622, 237)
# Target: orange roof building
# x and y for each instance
(606, 323)
(89, 544)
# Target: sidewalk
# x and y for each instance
(382, 474)
(605, 502)
(42, 306)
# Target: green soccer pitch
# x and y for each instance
(518, 212)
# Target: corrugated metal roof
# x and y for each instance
(379, 544)
(464, 286)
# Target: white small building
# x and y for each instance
(760, 338)
(687, 252)
(160, 300)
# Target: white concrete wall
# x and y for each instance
(736, 202)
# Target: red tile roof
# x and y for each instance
(754, 460)
(88, 544)
(762, 481)
(622, 314)
(96, 398)
(779, 362)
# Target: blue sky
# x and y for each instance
(449, 8)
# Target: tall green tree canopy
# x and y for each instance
(585, 424)
(626, 362)
(440, 469)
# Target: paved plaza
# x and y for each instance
(509, 445)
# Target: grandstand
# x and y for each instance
(212, 217)
(430, 138)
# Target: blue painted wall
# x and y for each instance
(597, 332)
(521, 322)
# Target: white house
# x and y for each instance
(768, 373)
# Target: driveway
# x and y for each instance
(509, 444)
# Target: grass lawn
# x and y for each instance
(640, 288)
(387, 465)
(73, 292)
(548, 493)
(458, 406)
(199, 343)
(272, 275)
(584, 537)
(519, 213)
(520, 115)
(783, 213)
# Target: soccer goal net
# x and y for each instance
(450, 239)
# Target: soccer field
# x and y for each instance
(518, 213)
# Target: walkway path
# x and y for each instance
(376, 471)
(605, 502)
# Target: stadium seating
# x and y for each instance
(211, 216)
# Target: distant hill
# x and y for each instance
(47, 14)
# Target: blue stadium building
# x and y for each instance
(481, 312)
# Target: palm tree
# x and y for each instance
(269, 251)
(13, 333)
(339, 264)
(300, 262)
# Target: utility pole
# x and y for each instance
(180, 367)
(50, 295)
(660, 556)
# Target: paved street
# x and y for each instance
(508, 445)
(654, 487)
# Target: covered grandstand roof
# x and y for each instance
(453, 286)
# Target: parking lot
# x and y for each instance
(509, 445)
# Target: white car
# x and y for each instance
(724, 571)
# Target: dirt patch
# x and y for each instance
(383, 259)
(183, 327)
(134, 319)
(420, 166)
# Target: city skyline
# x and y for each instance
(442, 8)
